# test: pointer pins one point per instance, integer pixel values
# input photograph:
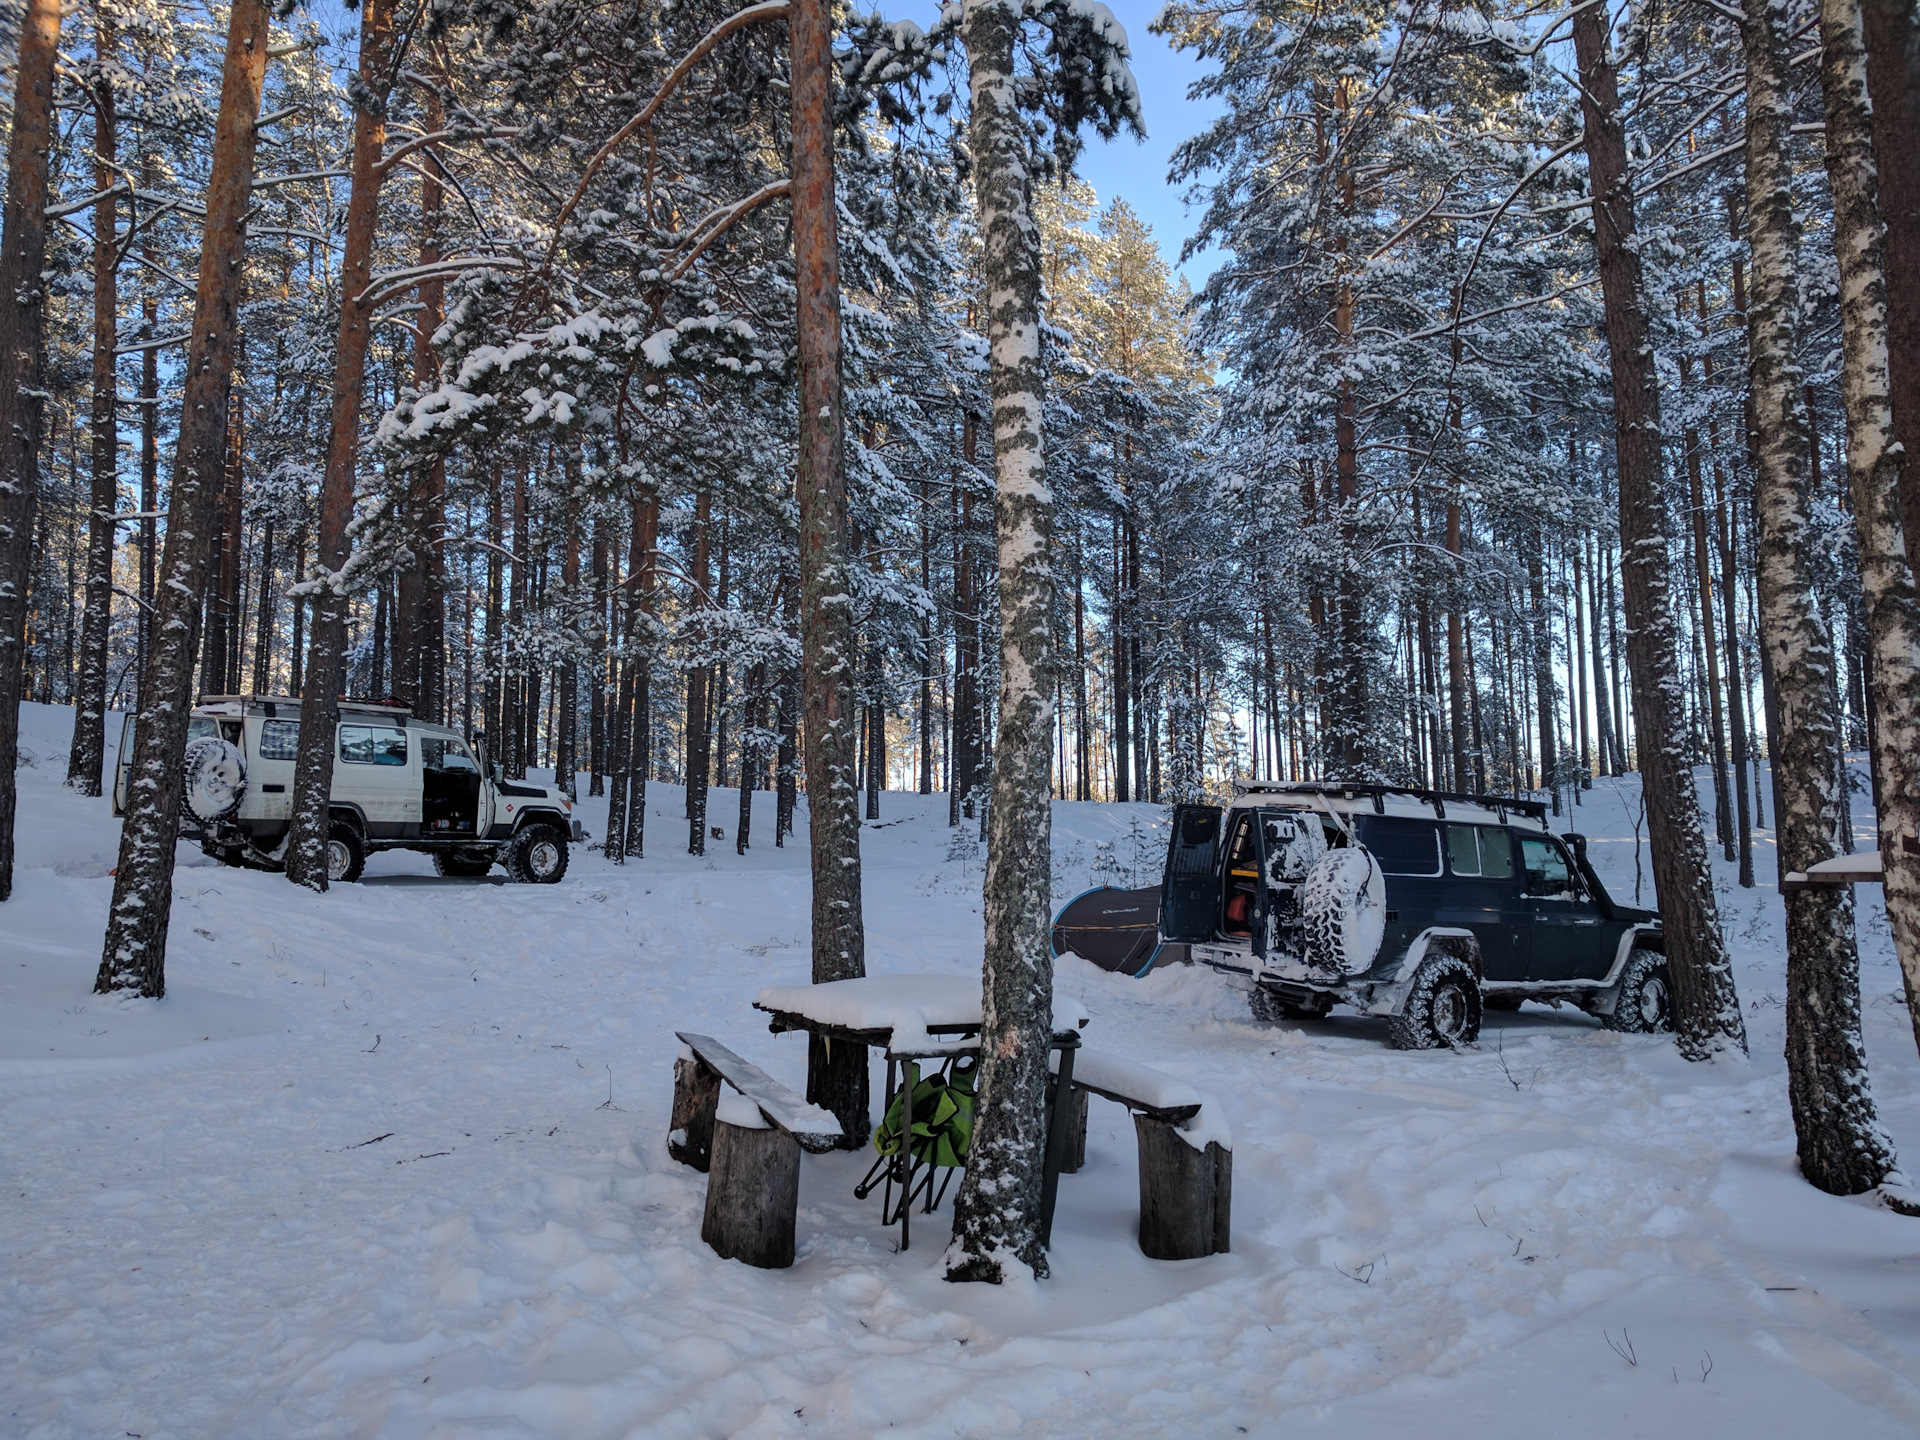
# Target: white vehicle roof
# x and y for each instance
(234, 707)
(1358, 799)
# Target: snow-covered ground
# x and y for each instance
(392, 1162)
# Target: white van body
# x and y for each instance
(398, 784)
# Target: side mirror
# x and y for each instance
(499, 774)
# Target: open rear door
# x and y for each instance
(1190, 891)
(123, 764)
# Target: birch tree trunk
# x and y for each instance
(84, 756)
(1706, 1008)
(23, 251)
(326, 656)
(135, 953)
(997, 1215)
(1873, 475)
(1843, 1149)
(836, 1076)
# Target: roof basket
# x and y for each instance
(1378, 794)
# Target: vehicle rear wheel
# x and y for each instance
(346, 854)
(536, 856)
(1443, 1008)
(462, 864)
(1644, 1004)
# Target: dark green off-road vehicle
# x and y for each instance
(1414, 905)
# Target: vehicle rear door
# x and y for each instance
(1483, 895)
(1190, 888)
(1571, 939)
(123, 764)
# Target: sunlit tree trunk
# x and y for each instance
(1706, 1008)
(326, 658)
(997, 1214)
(1873, 472)
(134, 955)
(90, 688)
(837, 1075)
(1843, 1149)
(23, 249)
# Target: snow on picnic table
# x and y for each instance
(391, 1162)
(907, 1006)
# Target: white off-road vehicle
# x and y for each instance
(398, 784)
(1414, 905)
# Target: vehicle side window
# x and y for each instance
(446, 756)
(1463, 849)
(1496, 853)
(280, 740)
(1404, 847)
(1546, 865)
(373, 745)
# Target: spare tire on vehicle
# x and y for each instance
(215, 779)
(1343, 910)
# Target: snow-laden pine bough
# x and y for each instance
(1415, 905)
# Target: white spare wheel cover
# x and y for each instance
(1344, 905)
(216, 779)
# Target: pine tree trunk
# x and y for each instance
(134, 955)
(23, 249)
(87, 752)
(1873, 470)
(263, 626)
(1843, 1149)
(1706, 1008)
(326, 659)
(837, 1081)
(1892, 33)
(420, 621)
(997, 1214)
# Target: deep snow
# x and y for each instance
(392, 1162)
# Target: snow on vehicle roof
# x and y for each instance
(1389, 800)
(237, 705)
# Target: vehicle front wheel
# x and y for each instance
(1443, 1008)
(536, 856)
(346, 854)
(462, 864)
(1644, 1005)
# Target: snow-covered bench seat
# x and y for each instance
(746, 1130)
(1186, 1153)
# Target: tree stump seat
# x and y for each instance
(1186, 1154)
(748, 1141)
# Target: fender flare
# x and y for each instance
(350, 813)
(543, 816)
(1391, 998)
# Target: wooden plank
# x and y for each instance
(815, 1129)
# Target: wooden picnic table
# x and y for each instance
(912, 1018)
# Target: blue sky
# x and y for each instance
(1135, 170)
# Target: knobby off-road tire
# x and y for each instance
(1268, 1007)
(462, 864)
(1645, 1003)
(536, 856)
(1342, 909)
(1443, 1008)
(346, 854)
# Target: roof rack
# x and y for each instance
(1358, 790)
(270, 703)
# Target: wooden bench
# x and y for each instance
(1186, 1153)
(749, 1143)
